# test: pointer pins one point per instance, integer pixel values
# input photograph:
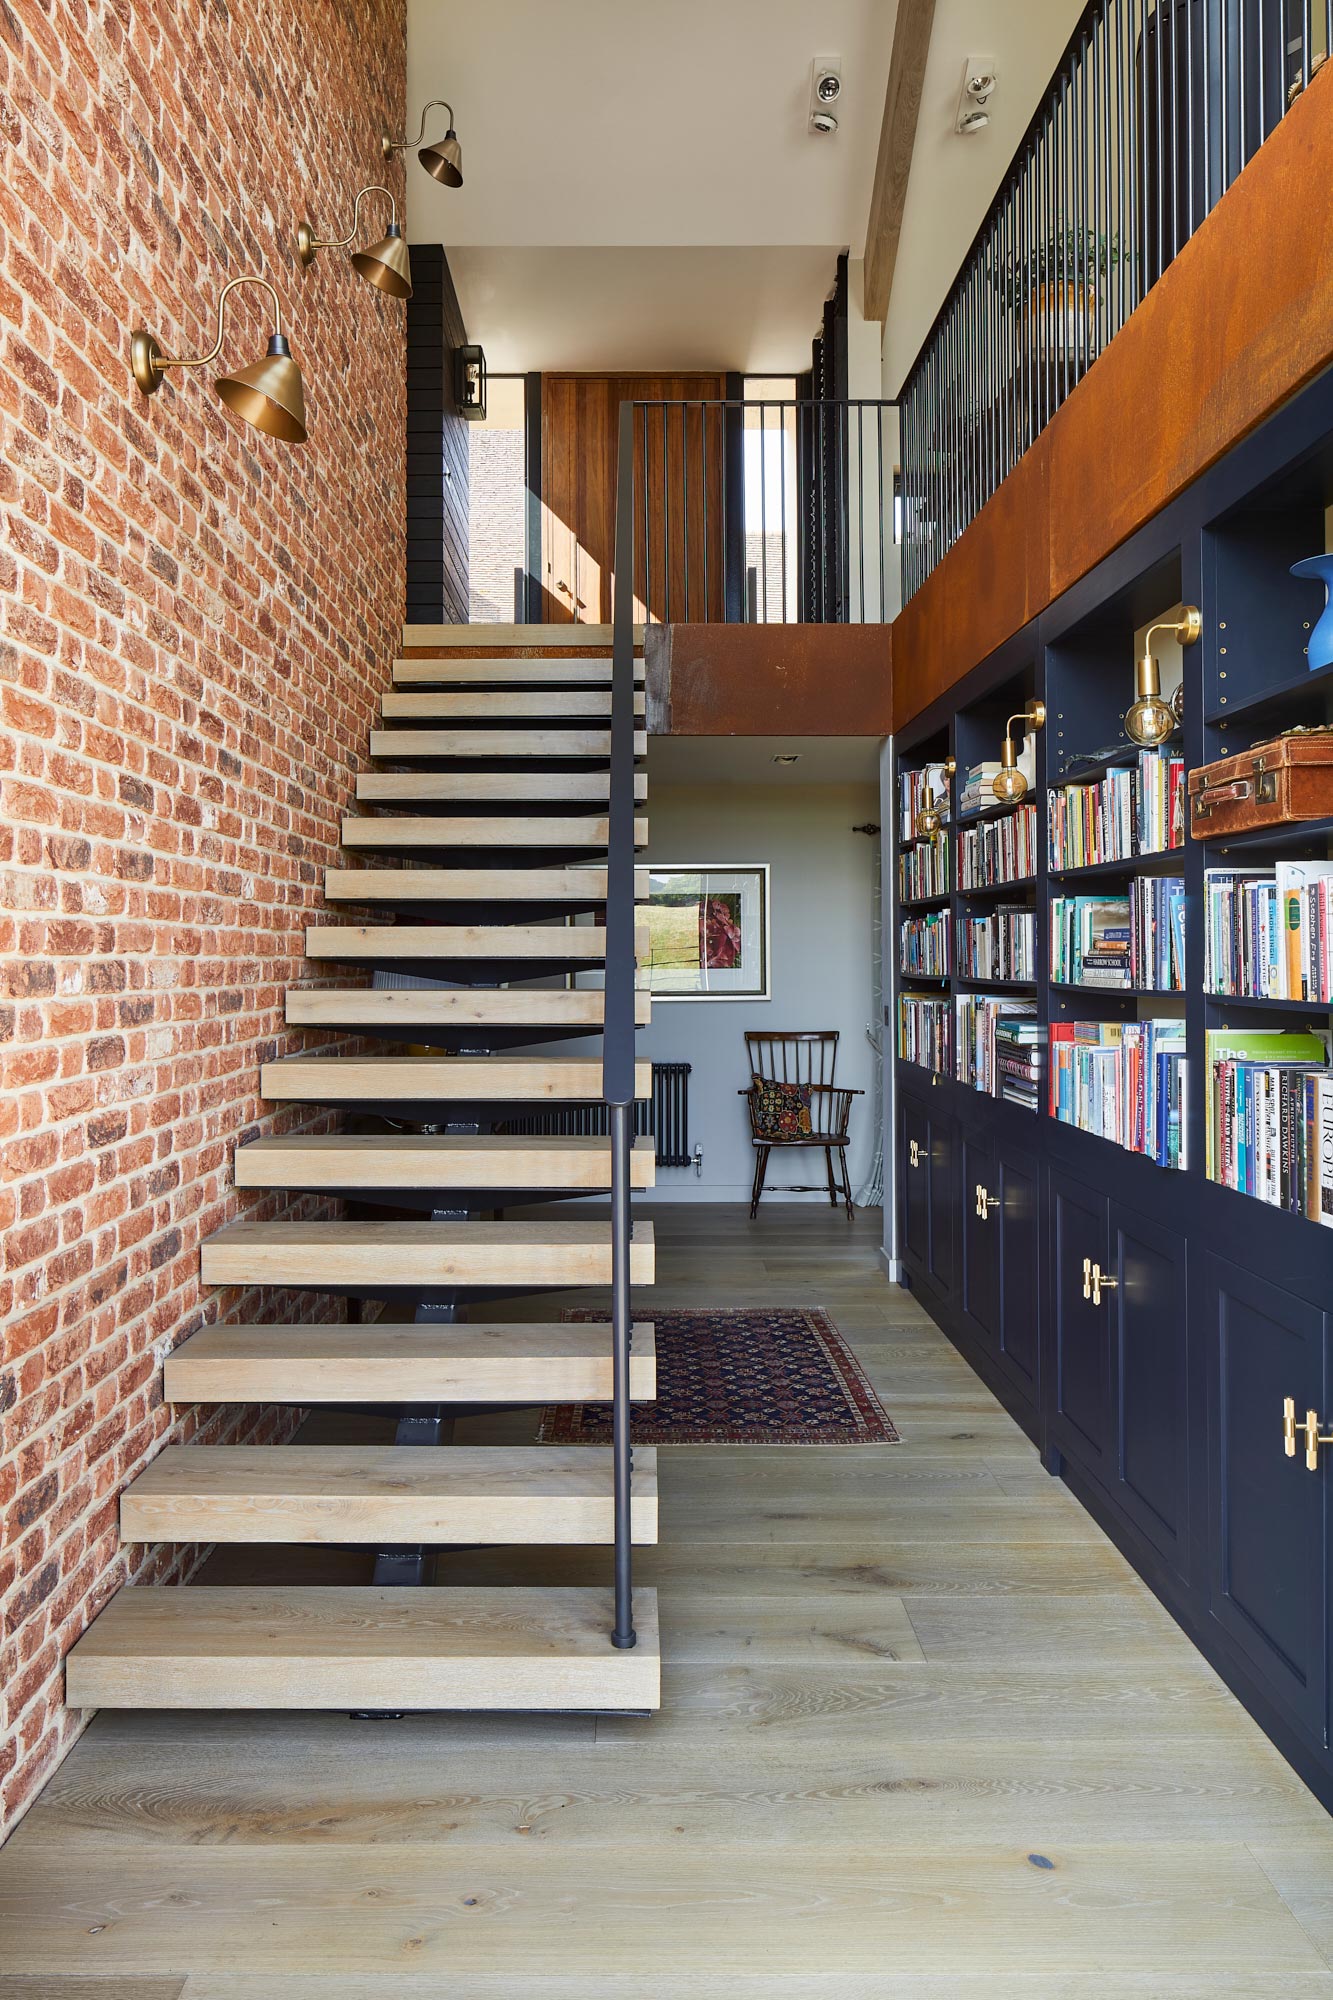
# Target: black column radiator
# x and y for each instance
(666, 1115)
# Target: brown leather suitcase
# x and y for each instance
(1271, 784)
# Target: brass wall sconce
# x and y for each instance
(269, 394)
(1009, 783)
(385, 264)
(1149, 719)
(442, 159)
(930, 819)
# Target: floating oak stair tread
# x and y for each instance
(385, 1361)
(373, 942)
(438, 1078)
(427, 1160)
(195, 1646)
(367, 1007)
(552, 706)
(585, 886)
(529, 788)
(422, 1255)
(532, 639)
(573, 670)
(390, 1493)
(482, 745)
(403, 830)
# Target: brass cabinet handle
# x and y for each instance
(985, 1202)
(1310, 1426)
(1096, 1281)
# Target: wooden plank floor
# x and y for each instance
(924, 1734)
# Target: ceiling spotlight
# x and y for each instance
(828, 87)
(1009, 783)
(1149, 719)
(385, 264)
(825, 90)
(268, 394)
(443, 158)
(979, 80)
(788, 757)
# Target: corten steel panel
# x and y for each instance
(769, 680)
(1239, 321)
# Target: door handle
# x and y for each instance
(1096, 1281)
(985, 1202)
(913, 1153)
(1310, 1426)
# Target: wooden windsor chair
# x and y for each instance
(805, 1062)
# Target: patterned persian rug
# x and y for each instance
(728, 1375)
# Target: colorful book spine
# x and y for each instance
(999, 850)
(1133, 809)
(925, 1032)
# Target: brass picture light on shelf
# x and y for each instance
(1150, 719)
(385, 264)
(269, 394)
(1009, 783)
(443, 158)
(930, 818)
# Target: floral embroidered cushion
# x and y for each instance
(781, 1110)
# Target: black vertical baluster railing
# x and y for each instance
(618, 1018)
(1152, 112)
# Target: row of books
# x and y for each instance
(923, 945)
(1000, 945)
(998, 850)
(1268, 933)
(1125, 1081)
(925, 1032)
(1269, 1119)
(1019, 1044)
(977, 790)
(923, 870)
(916, 789)
(985, 1054)
(1138, 808)
(1122, 942)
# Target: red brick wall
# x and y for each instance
(194, 625)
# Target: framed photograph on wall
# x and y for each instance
(707, 931)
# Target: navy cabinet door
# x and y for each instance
(914, 1180)
(1150, 1354)
(981, 1223)
(1020, 1255)
(1080, 1421)
(943, 1204)
(1268, 1563)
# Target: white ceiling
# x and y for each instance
(954, 179)
(681, 128)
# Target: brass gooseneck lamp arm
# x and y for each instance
(148, 359)
(391, 146)
(307, 242)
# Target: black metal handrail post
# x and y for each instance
(618, 1017)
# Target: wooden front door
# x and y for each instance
(679, 484)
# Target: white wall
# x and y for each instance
(821, 886)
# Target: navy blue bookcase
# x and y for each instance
(1161, 1404)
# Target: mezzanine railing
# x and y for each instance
(1153, 112)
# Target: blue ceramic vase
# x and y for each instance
(1320, 648)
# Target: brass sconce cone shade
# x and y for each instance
(443, 161)
(269, 394)
(386, 264)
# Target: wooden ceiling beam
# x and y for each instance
(897, 137)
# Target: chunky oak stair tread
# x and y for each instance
(395, 1008)
(552, 706)
(419, 1255)
(427, 1160)
(482, 745)
(194, 1646)
(374, 943)
(390, 1493)
(403, 830)
(532, 639)
(473, 885)
(573, 670)
(386, 1361)
(491, 788)
(536, 1080)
